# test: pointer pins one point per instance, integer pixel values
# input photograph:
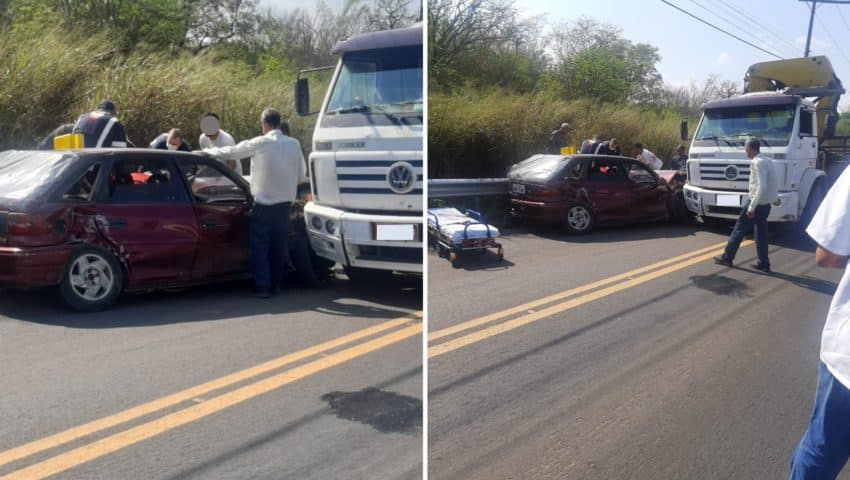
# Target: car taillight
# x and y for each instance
(545, 192)
(21, 224)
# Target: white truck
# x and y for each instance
(366, 163)
(791, 106)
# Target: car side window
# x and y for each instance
(209, 183)
(83, 189)
(573, 172)
(605, 170)
(639, 173)
(144, 180)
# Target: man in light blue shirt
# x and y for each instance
(763, 191)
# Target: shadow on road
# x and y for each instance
(635, 232)
(720, 285)
(282, 432)
(342, 298)
(486, 260)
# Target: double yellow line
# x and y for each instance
(588, 293)
(402, 328)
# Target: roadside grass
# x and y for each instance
(52, 76)
(473, 134)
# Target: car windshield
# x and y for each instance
(378, 87)
(732, 126)
(25, 174)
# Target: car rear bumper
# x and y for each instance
(538, 211)
(33, 267)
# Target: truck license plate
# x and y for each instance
(394, 232)
(518, 188)
(728, 200)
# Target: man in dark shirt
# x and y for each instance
(608, 148)
(680, 160)
(173, 140)
(101, 128)
(558, 139)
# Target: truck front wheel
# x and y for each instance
(816, 196)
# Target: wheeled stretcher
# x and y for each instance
(451, 232)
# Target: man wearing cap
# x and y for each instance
(101, 128)
(558, 138)
(213, 136)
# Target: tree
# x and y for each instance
(215, 22)
(389, 14)
(459, 29)
(688, 100)
(593, 59)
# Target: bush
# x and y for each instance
(474, 134)
(52, 77)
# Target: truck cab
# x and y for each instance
(366, 164)
(791, 107)
(718, 167)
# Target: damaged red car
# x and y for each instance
(583, 191)
(97, 223)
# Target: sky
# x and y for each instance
(691, 50)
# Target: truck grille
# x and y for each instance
(722, 171)
(369, 177)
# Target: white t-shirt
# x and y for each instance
(223, 139)
(277, 165)
(830, 228)
(649, 159)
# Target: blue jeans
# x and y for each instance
(743, 227)
(825, 447)
(269, 224)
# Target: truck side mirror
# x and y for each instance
(302, 97)
(683, 130)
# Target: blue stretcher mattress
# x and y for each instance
(452, 224)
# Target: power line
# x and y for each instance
(837, 45)
(719, 15)
(720, 29)
(763, 26)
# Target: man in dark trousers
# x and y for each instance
(101, 128)
(763, 191)
(277, 166)
(558, 139)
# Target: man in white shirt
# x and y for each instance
(277, 166)
(213, 136)
(648, 158)
(764, 190)
(825, 447)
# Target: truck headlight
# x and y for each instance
(330, 226)
(316, 222)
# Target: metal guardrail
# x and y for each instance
(466, 187)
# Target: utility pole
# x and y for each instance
(812, 19)
(811, 22)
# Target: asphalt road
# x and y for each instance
(129, 390)
(681, 370)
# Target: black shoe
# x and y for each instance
(760, 267)
(262, 293)
(721, 260)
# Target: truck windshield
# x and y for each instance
(377, 87)
(731, 127)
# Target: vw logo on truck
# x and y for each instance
(731, 172)
(401, 177)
